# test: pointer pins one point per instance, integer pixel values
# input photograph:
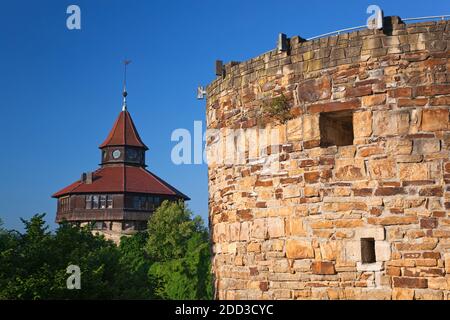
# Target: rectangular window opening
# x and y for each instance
(336, 128)
(99, 225)
(89, 202)
(368, 250)
(103, 202)
(109, 202)
(95, 202)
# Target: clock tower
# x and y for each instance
(118, 198)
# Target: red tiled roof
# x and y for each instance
(122, 179)
(123, 133)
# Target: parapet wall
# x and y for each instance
(294, 231)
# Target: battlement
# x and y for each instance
(337, 49)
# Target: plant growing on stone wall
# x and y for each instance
(277, 108)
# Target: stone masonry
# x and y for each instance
(294, 231)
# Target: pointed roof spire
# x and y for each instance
(125, 93)
(123, 133)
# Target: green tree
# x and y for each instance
(170, 261)
(178, 246)
(136, 262)
(33, 265)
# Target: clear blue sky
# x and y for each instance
(60, 90)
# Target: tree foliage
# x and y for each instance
(169, 261)
(33, 266)
(179, 248)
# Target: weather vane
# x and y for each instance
(125, 64)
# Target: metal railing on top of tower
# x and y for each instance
(338, 32)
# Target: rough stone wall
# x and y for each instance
(294, 232)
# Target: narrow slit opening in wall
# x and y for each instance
(336, 128)
(368, 250)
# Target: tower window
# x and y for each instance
(336, 128)
(99, 225)
(64, 204)
(104, 201)
(145, 202)
(368, 250)
(109, 201)
(89, 202)
(95, 202)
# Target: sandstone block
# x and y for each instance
(447, 262)
(313, 90)
(259, 229)
(399, 146)
(369, 267)
(350, 169)
(346, 151)
(310, 191)
(348, 223)
(330, 250)
(299, 249)
(407, 282)
(254, 247)
(382, 250)
(294, 227)
(323, 267)
(406, 102)
(435, 119)
(413, 171)
(369, 232)
(352, 250)
(382, 168)
(390, 122)
(294, 129)
(392, 220)
(402, 294)
(358, 91)
(370, 151)
(244, 232)
(424, 146)
(400, 93)
(234, 231)
(311, 129)
(312, 177)
(321, 224)
(428, 223)
(362, 124)
(275, 227)
(373, 100)
(440, 283)
(334, 106)
(421, 244)
(428, 295)
(232, 248)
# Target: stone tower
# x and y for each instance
(353, 199)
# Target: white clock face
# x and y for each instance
(116, 154)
